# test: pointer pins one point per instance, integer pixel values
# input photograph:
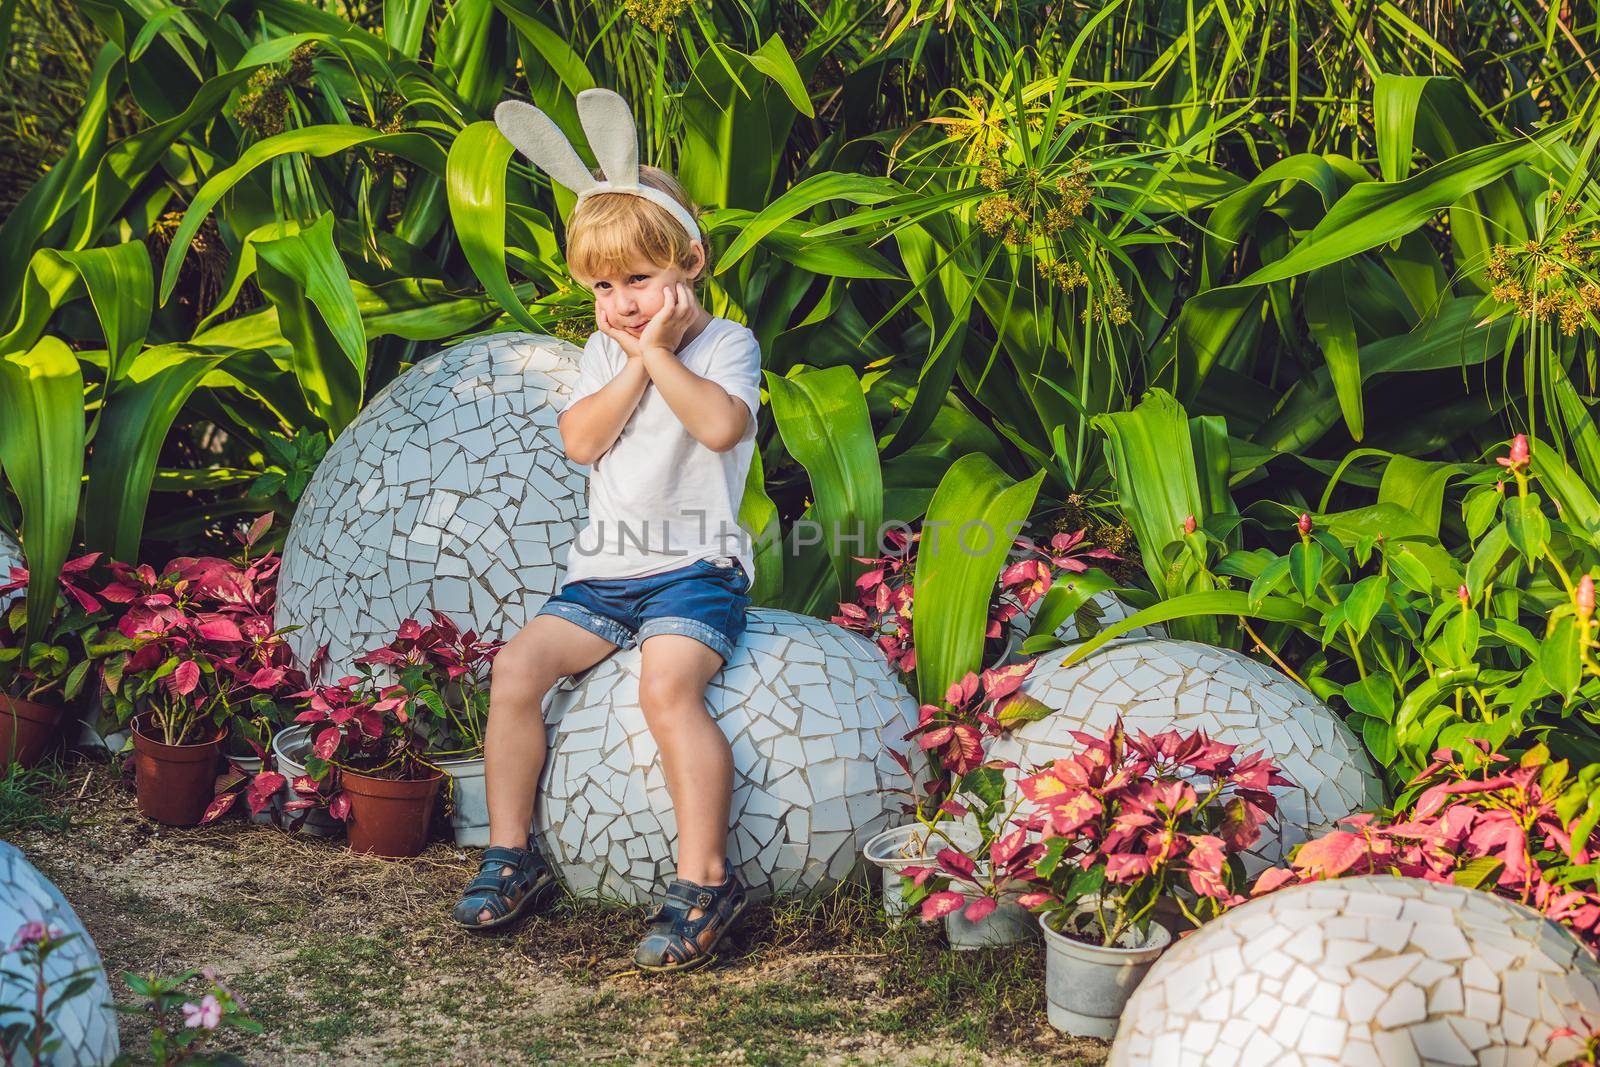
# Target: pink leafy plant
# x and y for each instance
(1518, 828)
(1134, 819)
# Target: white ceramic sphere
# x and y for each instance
(86, 1023)
(1364, 971)
(451, 490)
(1159, 684)
(810, 710)
(10, 556)
(1104, 607)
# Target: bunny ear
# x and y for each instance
(541, 140)
(608, 123)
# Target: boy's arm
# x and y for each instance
(711, 414)
(590, 426)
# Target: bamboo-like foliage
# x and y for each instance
(1326, 224)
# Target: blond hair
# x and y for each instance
(609, 231)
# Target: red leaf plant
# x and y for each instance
(445, 671)
(194, 648)
(55, 665)
(979, 706)
(421, 697)
(883, 608)
(1134, 819)
(1520, 830)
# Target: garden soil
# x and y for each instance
(353, 960)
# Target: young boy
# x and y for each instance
(664, 414)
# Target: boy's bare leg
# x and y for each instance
(542, 652)
(695, 755)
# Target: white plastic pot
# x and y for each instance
(291, 746)
(1087, 986)
(886, 851)
(469, 801)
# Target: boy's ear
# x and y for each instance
(701, 261)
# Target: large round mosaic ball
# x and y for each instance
(1157, 685)
(1098, 612)
(451, 490)
(811, 711)
(1363, 971)
(86, 1023)
(10, 556)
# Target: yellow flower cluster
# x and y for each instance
(656, 15)
(1066, 274)
(1004, 217)
(263, 107)
(1114, 306)
(1035, 206)
(1552, 278)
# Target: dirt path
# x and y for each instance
(352, 960)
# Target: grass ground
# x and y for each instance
(352, 960)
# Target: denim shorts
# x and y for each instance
(704, 600)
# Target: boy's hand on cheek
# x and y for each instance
(631, 346)
(666, 329)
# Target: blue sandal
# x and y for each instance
(504, 895)
(678, 943)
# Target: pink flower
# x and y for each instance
(1585, 597)
(30, 933)
(1464, 595)
(207, 1013)
(1189, 525)
(1304, 525)
(1519, 454)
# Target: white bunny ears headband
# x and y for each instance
(609, 126)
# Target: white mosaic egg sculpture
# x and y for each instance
(86, 1023)
(10, 556)
(810, 710)
(1103, 609)
(1365, 971)
(1157, 685)
(450, 490)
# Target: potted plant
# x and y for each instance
(190, 658)
(38, 678)
(444, 672)
(366, 739)
(245, 590)
(982, 901)
(979, 864)
(195, 668)
(1126, 825)
(898, 848)
(302, 802)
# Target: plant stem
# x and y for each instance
(1273, 656)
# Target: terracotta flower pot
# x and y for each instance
(389, 818)
(25, 730)
(175, 782)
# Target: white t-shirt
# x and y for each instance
(658, 498)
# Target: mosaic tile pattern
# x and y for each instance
(810, 710)
(450, 490)
(86, 1023)
(1158, 684)
(1107, 605)
(1365, 971)
(10, 556)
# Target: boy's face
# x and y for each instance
(632, 297)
